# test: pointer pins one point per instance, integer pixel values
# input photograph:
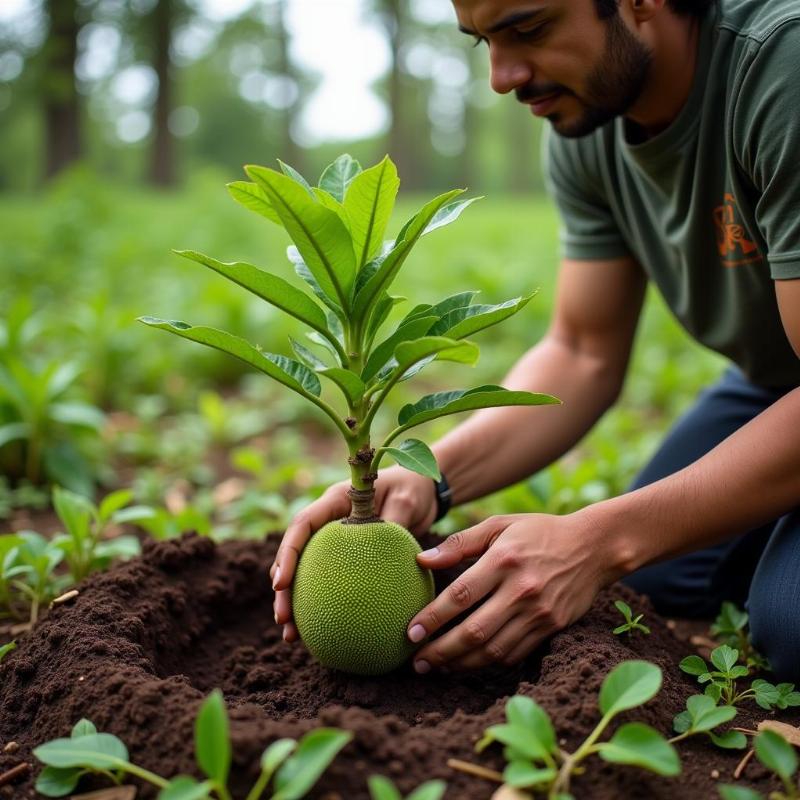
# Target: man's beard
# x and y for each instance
(612, 87)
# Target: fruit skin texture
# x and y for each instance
(356, 588)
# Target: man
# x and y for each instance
(673, 157)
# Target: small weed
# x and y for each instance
(778, 756)
(631, 623)
(381, 788)
(730, 627)
(293, 767)
(701, 716)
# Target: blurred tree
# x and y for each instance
(162, 163)
(286, 68)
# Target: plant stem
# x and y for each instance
(561, 783)
(259, 786)
(146, 775)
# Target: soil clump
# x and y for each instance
(142, 645)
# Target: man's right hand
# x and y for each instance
(401, 496)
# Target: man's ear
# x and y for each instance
(644, 10)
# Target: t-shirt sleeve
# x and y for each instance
(766, 131)
(588, 230)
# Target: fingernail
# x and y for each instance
(434, 551)
(417, 633)
(276, 578)
(283, 635)
(276, 618)
(422, 667)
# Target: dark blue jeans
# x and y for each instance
(759, 569)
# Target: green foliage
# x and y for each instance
(778, 756)
(536, 761)
(730, 627)
(293, 767)
(5, 649)
(631, 624)
(381, 788)
(702, 714)
(722, 681)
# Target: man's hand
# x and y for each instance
(401, 496)
(536, 574)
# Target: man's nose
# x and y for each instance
(508, 71)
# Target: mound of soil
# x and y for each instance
(140, 647)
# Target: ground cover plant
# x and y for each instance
(338, 229)
(631, 623)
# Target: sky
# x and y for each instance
(330, 36)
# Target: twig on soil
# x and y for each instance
(64, 597)
(474, 769)
(15, 772)
(737, 773)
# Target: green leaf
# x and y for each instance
(430, 790)
(271, 288)
(462, 322)
(714, 691)
(292, 173)
(118, 547)
(5, 649)
(319, 234)
(284, 370)
(79, 414)
(113, 502)
(211, 738)
(730, 620)
(306, 356)
(368, 204)
(96, 751)
(390, 266)
(57, 781)
(639, 745)
(775, 753)
(185, 788)
(385, 350)
(380, 311)
(728, 792)
(788, 697)
(276, 754)
(381, 788)
(416, 456)
(440, 404)
(521, 774)
(724, 657)
(407, 354)
(250, 196)
(83, 727)
(314, 753)
(302, 271)
(524, 740)
(524, 712)
(351, 385)
(448, 213)
(730, 740)
(693, 665)
(706, 714)
(628, 685)
(766, 695)
(14, 431)
(624, 609)
(336, 177)
(682, 722)
(74, 511)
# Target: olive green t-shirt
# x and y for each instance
(710, 207)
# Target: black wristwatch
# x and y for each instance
(444, 498)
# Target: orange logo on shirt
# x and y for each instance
(734, 247)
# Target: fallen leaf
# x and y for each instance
(789, 732)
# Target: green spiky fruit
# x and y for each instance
(356, 588)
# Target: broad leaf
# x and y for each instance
(775, 753)
(416, 456)
(95, 750)
(440, 404)
(113, 502)
(276, 754)
(407, 354)
(57, 781)
(738, 793)
(639, 745)
(724, 658)
(430, 790)
(465, 321)
(118, 547)
(694, 665)
(212, 739)
(306, 356)
(628, 685)
(369, 203)
(524, 740)
(730, 740)
(448, 213)
(351, 385)
(83, 727)
(314, 753)
(268, 287)
(381, 788)
(251, 196)
(185, 788)
(524, 712)
(292, 173)
(319, 234)
(302, 271)
(14, 431)
(521, 774)
(288, 372)
(336, 177)
(706, 714)
(74, 511)
(385, 350)
(380, 311)
(80, 414)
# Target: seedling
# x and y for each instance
(381, 788)
(722, 681)
(778, 756)
(339, 251)
(730, 627)
(701, 716)
(293, 767)
(536, 762)
(631, 623)
(5, 649)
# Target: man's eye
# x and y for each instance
(478, 40)
(531, 34)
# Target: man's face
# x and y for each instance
(559, 57)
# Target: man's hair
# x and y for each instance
(693, 8)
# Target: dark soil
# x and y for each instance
(142, 645)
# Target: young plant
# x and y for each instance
(730, 627)
(5, 649)
(535, 761)
(293, 767)
(702, 714)
(778, 756)
(381, 788)
(631, 623)
(357, 621)
(722, 681)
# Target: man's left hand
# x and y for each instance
(535, 574)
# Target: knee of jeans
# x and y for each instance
(776, 635)
(673, 591)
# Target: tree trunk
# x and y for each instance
(162, 165)
(61, 102)
(290, 152)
